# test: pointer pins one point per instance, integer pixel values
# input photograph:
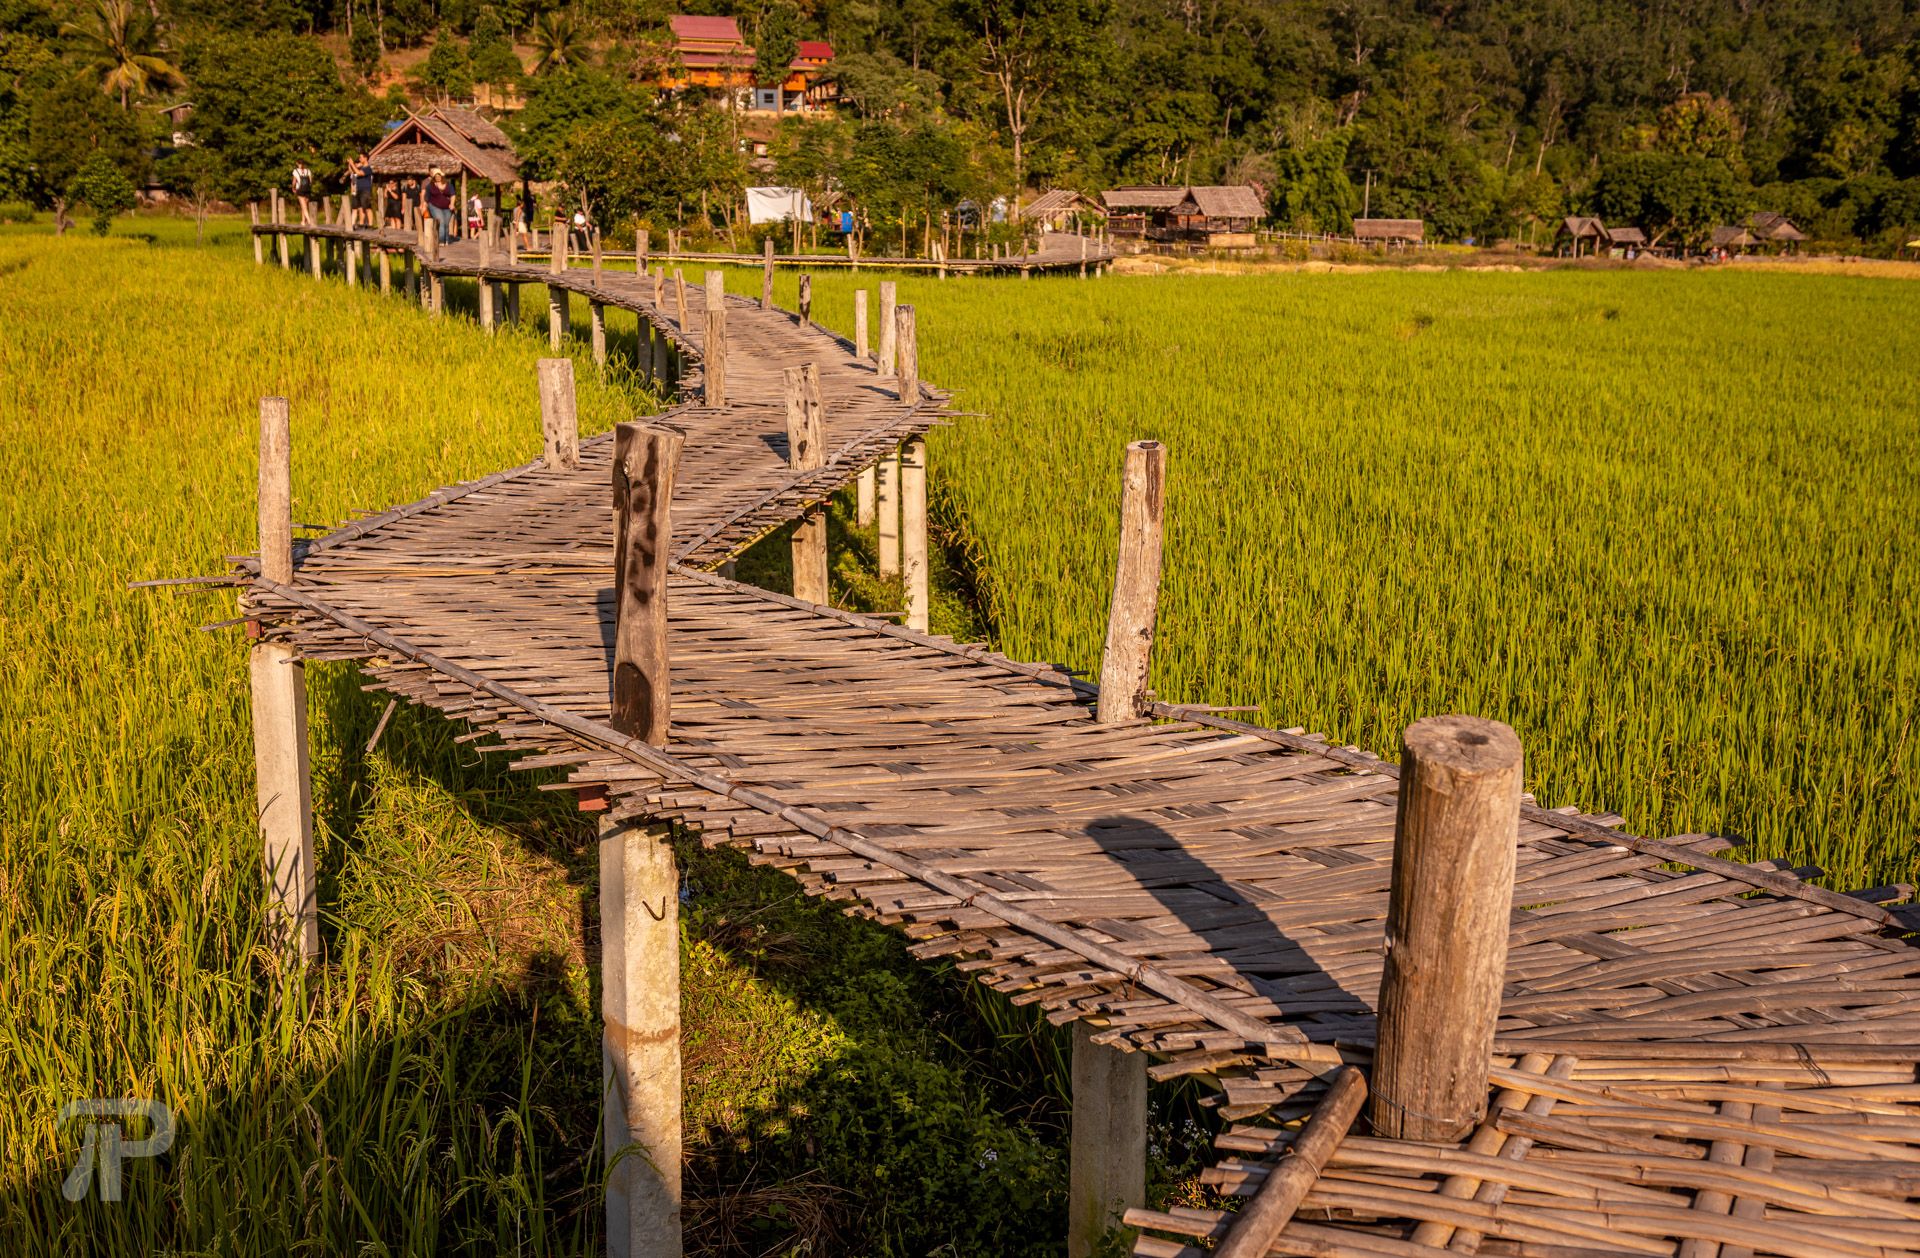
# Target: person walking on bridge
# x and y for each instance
(439, 196)
(302, 186)
(360, 174)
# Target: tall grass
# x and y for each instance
(1661, 523)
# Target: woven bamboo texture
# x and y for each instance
(1694, 1056)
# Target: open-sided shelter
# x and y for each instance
(1390, 231)
(1058, 207)
(1582, 232)
(457, 141)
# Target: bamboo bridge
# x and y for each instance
(1567, 1040)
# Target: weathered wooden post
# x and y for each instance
(413, 277)
(436, 282)
(906, 351)
(640, 243)
(1107, 1159)
(806, 300)
(639, 887)
(864, 496)
(598, 314)
(807, 450)
(887, 491)
(596, 257)
(888, 326)
(1455, 837)
(559, 415)
(913, 529)
(680, 298)
(713, 349)
(1083, 257)
(386, 271)
(1136, 584)
(485, 293)
(657, 369)
(253, 217)
(558, 311)
(860, 324)
(284, 787)
(313, 255)
(766, 273)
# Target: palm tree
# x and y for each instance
(120, 45)
(558, 42)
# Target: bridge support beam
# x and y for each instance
(887, 486)
(283, 780)
(860, 324)
(557, 312)
(806, 451)
(313, 255)
(253, 217)
(713, 362)
(485, 293)
(1107, 1165)
(913, 529)
(598, 314)
(386, 272)
(889, 301)
(1136, 584)
(640, 1039)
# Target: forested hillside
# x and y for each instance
(1488, 118)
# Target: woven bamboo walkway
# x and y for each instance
(1694, 1056)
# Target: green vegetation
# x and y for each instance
(1660, 523)
(433, 1086)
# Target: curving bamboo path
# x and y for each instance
(1694, 1056)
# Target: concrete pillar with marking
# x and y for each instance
(1107, 1163)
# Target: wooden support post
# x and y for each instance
(386, 271)
(1136, 584)
(313, 255)
(806, 451)
(1083, 257)
(860, 324)
(279, 690)
(598, 314)
(640, 243)
(486, 303)
(680, 298)
(913, 528)
(888, 326)
(557, 246)
(766, 274)
(658, 368)
(640, 1039)
(887, 491)
(1455, 836)
(253, 216)
(1259, 1224)
(437, 290)
(413, 278)
(559, 415)
(353, 263)
(1107, 1160)
(806, 300)
(713, 350)
(513, 304)
(906, 349)
(864, 496)
(558, 311)
(596, 257)
(644, 459)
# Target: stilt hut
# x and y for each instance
(454, 140)
(1221, 217)
(1131, 210)
(1582, 232)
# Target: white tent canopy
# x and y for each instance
(777, 205)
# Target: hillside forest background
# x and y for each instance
(1490, 119)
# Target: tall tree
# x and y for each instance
(1032, 50)
(119, 46)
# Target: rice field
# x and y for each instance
(1661, 523)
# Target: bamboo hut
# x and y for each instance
(452, 140)
(1131, 210)
(1390, 231)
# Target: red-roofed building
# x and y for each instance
(710, 52)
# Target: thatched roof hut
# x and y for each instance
(1626, 236)
(1057, 205)
(1732, 238)
(1390, 230)
(1774, 228)
(458, 141)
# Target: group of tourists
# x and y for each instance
(435, 195)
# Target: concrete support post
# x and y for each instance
(640, 1039)
(887, 492)
(1107, 1165)
(913, 530)
(279, 691)
(865, 495)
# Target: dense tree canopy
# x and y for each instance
(1485, 117)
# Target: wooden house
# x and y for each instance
(1390, 231)
(710, 52)
(1131, 209)
(458, 142)
(1219, 216)
(1770, 228)
(1061, 207)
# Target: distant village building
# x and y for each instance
(1770, 228)
(1221, 216)
(1390, 231)
(1586, 234)
(710, 52)
(1059, 207)
(1732, 238)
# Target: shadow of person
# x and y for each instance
(1222, 927)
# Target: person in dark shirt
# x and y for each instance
(439, 196)
(360, 172)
